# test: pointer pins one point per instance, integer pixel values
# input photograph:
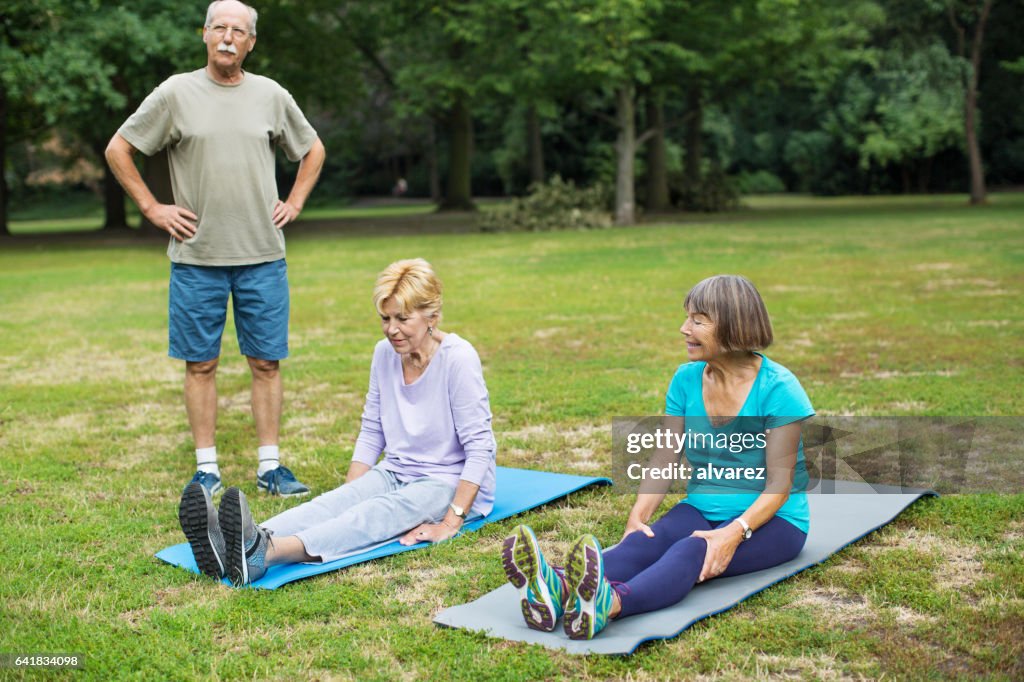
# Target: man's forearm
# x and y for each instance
(119, 155)
(308, 174)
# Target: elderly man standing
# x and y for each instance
(221, 126)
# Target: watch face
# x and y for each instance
(747, 533)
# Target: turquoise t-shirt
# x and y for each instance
(776, 399)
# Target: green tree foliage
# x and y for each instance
(138, 45)
(46, 73)
(916, 110)
(617, 47)
(819, 95)
(329, 56)
(86, 64)
(888, 111)
(442, 55)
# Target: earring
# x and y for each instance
(430, 331)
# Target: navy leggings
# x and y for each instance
(659, 571)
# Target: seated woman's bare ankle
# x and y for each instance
(287, 550)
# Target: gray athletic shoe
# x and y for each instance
(198, 519)
(246, 543)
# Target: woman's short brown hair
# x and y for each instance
(413, 285)
(737, 309)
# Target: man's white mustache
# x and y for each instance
(224, 47)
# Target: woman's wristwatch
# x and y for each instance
(747, 532)
(458, 511)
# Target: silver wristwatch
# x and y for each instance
(747, 532)
(458, 511)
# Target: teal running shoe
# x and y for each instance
(245, 543)
(281, 481)
(590, 595)
(541, 590)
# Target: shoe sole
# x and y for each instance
(231, 513)
(520, 557)
(265, 488)
(582, 576)
(196, 518)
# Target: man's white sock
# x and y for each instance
(206, 460)
(270, 459)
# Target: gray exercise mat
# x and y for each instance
(837, 520)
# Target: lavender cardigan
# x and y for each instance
(437, 426)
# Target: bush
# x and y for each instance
(554, 205)
(759, 182)
(715, 192)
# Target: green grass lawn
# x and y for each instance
(881, 307)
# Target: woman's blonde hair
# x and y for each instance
(737, 309)
(413, 285)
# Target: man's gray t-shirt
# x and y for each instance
(220, 142)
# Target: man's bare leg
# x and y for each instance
(201, 401)
(267, 398)
(201, 405)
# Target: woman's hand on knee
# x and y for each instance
(722, 544)
(634, 524)
(429, 532)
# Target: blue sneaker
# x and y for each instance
(590, 594)
(209, 481)
(541, 590)
(245, 543)
(281, 481)
(198, 520)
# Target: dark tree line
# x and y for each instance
(653, 97)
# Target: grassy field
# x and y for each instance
(881, 307)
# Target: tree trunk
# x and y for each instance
(114, 216)
(432, 166)
(694, 124)
(625, 150)
(974, 161)
(156, 170)
(657, 167)
(971, 106)
(924, 175)
(4, 228)
(973, 150)
(458, 196)
(536, 144)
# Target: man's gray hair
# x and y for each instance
(252, 15)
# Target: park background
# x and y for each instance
(860, 161)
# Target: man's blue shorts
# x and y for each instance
(198, 308)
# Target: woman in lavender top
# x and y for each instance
(427, 412)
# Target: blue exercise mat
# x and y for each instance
(847, 513)
(516, 490)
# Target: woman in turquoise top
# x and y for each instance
(737, 413)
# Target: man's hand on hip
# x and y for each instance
(174, 220)
(284, 213)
